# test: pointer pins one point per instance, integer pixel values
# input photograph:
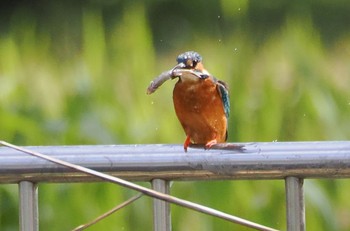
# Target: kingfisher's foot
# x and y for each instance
(210, 144)
(187, 143)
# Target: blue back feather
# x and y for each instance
(222, 88)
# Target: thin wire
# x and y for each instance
(110, 212)
(146, 191)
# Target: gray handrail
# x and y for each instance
(146, 162)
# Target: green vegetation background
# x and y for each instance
(75, 72)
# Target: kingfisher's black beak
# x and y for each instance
(181, 69)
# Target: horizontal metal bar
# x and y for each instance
(274, 160)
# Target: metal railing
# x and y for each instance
(289, 161)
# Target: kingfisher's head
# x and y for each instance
(189, 59)
(189, 66)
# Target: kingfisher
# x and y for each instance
(201, 101)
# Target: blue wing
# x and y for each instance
(223, 91)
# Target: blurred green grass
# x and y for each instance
(287, 85)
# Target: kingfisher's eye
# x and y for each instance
(190, 63)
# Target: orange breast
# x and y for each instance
(200, 110)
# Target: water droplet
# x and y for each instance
(219, 40)
(219, 16)
(239, 9)
(152, 102)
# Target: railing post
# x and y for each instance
(28, 206)
(161, 209)
(295, 204)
